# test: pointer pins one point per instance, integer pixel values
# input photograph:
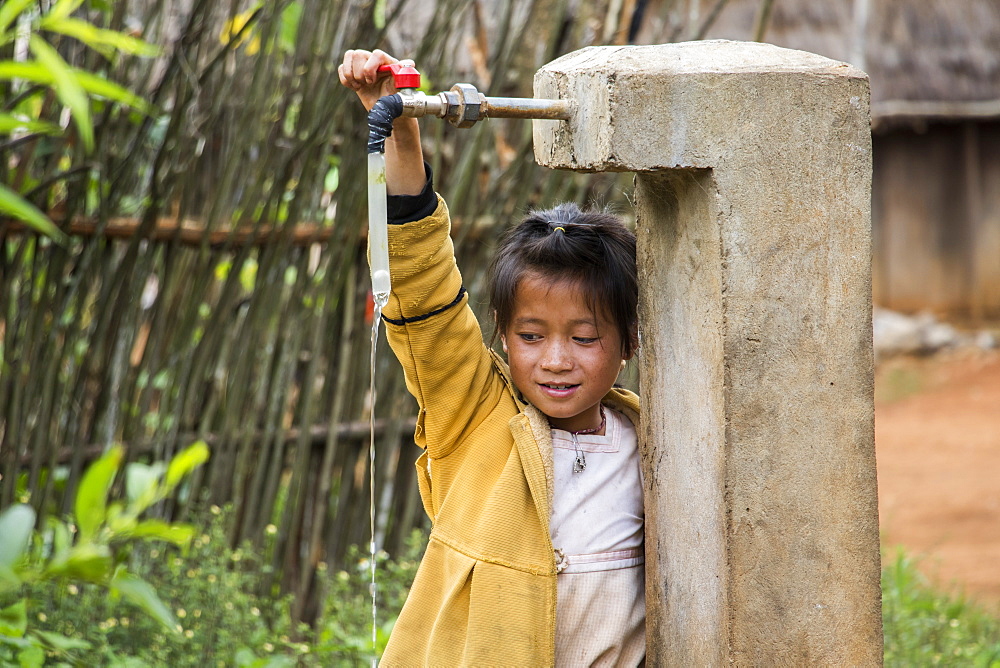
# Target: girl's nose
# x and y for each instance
(557, 358)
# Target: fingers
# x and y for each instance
(351, 70)
(377, 59)
(360, 67)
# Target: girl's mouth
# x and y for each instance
(558, 389)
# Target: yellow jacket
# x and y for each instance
(485, 592)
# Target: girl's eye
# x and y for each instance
(584, 339)
(530, 337)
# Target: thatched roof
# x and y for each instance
(926, 58)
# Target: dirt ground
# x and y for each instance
(937, 438)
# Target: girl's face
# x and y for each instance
(563, 357)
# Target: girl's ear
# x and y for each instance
(503, 338)
(636, 341)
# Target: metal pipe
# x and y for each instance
(525, 107)
(464, 106)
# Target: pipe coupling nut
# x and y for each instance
(469, 105)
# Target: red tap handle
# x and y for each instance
(405, 76)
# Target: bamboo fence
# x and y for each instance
(215, 284)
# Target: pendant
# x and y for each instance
(580, 463)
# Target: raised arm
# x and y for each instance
(429, 324)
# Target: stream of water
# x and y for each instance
(378, 249)
(380, 299)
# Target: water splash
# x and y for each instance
(380, 299)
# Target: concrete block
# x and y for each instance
(753, 215)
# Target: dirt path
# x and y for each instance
(937, 438)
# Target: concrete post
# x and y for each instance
(752, 192)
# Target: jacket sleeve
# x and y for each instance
(436, 336)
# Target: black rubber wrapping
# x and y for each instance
(380, 118)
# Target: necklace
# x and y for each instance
(580, 463)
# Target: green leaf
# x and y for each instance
(142, 483)
(332, 179)
(93, 84)
(10, 10)
(141, 593)
(29, 71)
(101, 87)
(31, 657)
(14, 619)
(15, 206)
(62, 9)
(106, 42)
(178, 534)
(244, 657)
(186, 461)
(81, 30)
(59, 642)
(118, 522)
(9, 579)
(67, 88)
(9, 124)
(11, 641)
(16, 525)
(92, 496)
(62, 541)
(86, 561)
(288, 28)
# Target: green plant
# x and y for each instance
(47, 71)
(212, 590)
(227, 619)
(923, 627)
(344, 630)
(92, 548)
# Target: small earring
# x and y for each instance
(624, 362)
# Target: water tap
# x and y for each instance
(463, 105)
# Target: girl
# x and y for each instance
(530, 471)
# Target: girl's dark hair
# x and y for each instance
(591, 248)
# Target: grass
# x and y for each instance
(925, 627)
(898, 380)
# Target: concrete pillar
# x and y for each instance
(752, 192)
